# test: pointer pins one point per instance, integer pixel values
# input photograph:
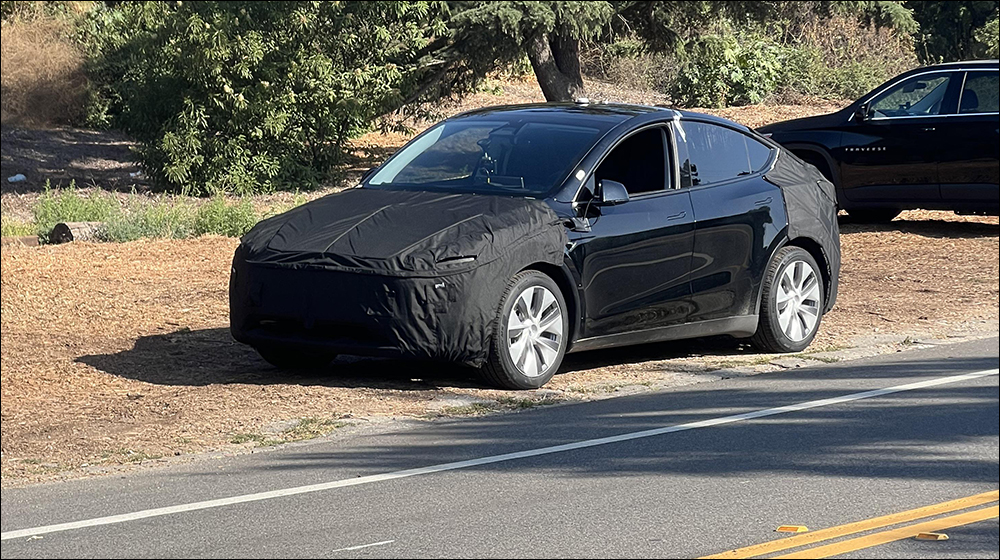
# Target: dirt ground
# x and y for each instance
(120, 353)
(115, 355)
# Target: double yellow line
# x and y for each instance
(875, 539)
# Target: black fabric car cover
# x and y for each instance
(811, 207)
(409, 273)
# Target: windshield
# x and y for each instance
(492, 156)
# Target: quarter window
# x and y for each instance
(918, 96)
(716, 153)
(981, 93)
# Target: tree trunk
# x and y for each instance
(75, 231)
(557, 67)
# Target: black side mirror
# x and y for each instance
(862, 113)
(611, 192)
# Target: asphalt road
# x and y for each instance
(688, 472)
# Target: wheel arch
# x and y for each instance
(562, 277)
(812, 152)
(812, 247)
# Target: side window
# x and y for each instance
(758, 153)
(716, 153)
(981, 93)
(917, 96)
(638, 163)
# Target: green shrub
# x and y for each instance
(157, 218)
(218, 217)
(724, 69)
(246, 97)
(69, 205)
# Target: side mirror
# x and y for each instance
(610, 193)
(862, 113)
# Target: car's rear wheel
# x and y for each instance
(792, 302)
(873, 215)
(293, 358)
(530, 333)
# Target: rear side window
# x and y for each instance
(981, 93)
(716, 154)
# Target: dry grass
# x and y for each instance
(41, 73)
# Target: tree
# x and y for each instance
(248, 96)
(949, 29)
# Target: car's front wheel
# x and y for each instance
(530, 333)
(791, 306)
(290, 358)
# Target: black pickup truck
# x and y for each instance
(927, 138)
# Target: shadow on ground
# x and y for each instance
(927, 228)
(211, 356)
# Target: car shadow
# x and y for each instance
(926, 228)
(211, 356)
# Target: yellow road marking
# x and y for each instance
(859, 526)
(896, 534)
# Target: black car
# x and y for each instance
(927, 139)
(505, 237)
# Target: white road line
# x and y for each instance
(208, 504)
(360, 546)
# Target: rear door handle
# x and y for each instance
(763, 202)
(928, 129)
(677, 216)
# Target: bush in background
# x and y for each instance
(246, 97)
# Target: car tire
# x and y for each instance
(293, 358)
(530, 333)
(792, 303)
(873, 215)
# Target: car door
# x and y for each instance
(738, 216)
(892, 154)
(634, 261)
(970, 145)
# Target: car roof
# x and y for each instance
(575, 112)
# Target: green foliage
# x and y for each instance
(138, 217)
(988, 37)
(721, 70)
(951, 31)
(157, 218)
(219, 217)
(69, 205)
(10, 227)
(245, 97)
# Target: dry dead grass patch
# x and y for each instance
(41, 73)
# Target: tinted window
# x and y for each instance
(489, 155)
(917, 96)
(759, 154)
(715, 154)
(981, 93)
(638, 163)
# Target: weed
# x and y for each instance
(309, 428)
(15, 228)
(70, 205)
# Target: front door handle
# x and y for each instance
(763, 202)
(928, 129)
(677, 216)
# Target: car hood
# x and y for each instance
(403, 232)
(806, 123)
